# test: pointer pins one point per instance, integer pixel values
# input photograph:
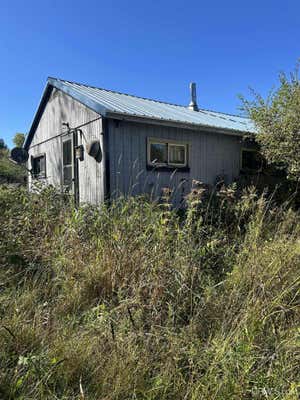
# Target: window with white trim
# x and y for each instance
(166, 153)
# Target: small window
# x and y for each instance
(252, 160)
(39, 166)
(67, 163)
(164, 153)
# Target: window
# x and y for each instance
(158, 153)
(38, 165)
(252, 160)
(177, 154)
(67, 163)
(164, 153)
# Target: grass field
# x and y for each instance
(136, 301)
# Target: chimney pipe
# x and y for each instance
(193, 104)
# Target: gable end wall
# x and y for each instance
(48, 139)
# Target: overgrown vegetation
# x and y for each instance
(10, 172)
(277, 119)
(134, 301)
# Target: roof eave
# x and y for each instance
(175, 124)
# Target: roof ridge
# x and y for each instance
(144, 98)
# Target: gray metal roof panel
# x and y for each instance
(108, 101)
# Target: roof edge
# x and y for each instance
(98, 108)
(175, 124)
(54, 83)
(37, 116)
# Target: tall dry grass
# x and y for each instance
(137, 301)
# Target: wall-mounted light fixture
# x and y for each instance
(79, 152)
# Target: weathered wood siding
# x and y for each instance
(210, 155)
(62, 108)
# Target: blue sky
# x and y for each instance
(148, 48)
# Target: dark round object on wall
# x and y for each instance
(19, 155)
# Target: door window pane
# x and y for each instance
(67, 152)
(67, 175)
(67, 163)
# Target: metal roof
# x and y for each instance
(109, 103)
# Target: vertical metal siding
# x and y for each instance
(210, 155)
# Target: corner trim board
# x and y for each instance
(105, 133)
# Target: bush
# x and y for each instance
(134, 301)
(10, 172)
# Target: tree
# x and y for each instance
(19, 139)
(2, 145)
(277, 120)
(9, 172)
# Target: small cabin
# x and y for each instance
(98, 144)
